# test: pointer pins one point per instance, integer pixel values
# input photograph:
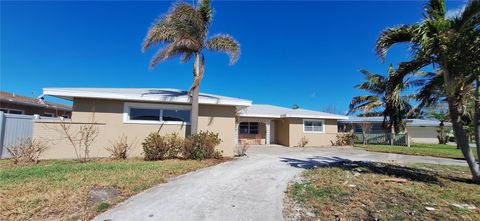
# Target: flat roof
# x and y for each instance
(408, 122)
(8, 97)
(164, 95)
(271, 111)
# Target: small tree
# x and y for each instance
(366, 127)
(441, 116)
(80, 139)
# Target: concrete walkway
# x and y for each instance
(250, 188)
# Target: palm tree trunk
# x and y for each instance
(477, 116)
(195, 98)
(461, 137)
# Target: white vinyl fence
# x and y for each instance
(382, 138)
(13, 129)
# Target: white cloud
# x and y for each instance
(454, 12)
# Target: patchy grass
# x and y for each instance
(434, 150)
(356, 191)
(59, 189)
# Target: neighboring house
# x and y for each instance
(11, 103)
(138, 112)
(419, 130)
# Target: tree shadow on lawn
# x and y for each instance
(410, 173)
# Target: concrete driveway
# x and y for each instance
(250, 188)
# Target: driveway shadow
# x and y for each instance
(410, 173)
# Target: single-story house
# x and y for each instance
(11, 103)
(137, 112)
(419, 130)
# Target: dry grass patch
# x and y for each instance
(60, 189)
(361, 191)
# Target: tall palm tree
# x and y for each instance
(445, 42)
(395, 105)
(184, 33)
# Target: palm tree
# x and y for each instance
(183, 31)
(449, 43)
(395, 105)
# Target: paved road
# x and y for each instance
(250, 188)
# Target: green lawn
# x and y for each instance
(435, 150)
(59, 189)
(359, 191)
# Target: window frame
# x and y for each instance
(314, 132)
(48, 113)
(11, 109)
(128, 105)
(249, 123)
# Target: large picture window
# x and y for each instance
(155, 113)
(313, 126)
(248, 128)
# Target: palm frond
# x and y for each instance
(181, 22)
(435, 10)
(205, 11)
(469, 18)
(168, 52)
(225, 43)
(392, 36)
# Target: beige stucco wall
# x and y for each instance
(281, 132)
(295, 133)
(426, 135)
(109, 116)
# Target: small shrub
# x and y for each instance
(344, 139)
(158, 147)
(120, 148)
(174, 145)
(27, 151)
(202, 146)
(154, 147)
(242, 149)
(303, 142)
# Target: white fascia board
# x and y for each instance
(116, 96)
(260, 115)
(314, 116)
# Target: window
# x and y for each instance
(176, 115)
(46, 114)
(248, 128)
(144, 114)
(12, 111)
(156, 113)
(313, 126)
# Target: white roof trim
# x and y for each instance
(339, 117)
(70, 93)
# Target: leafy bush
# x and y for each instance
(120, 148)
(155, 147)
(303, 142)
(344, 139)
(202, 146)
(27, 151)
(174, 144)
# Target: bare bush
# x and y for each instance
(120, 149)
(303, 142)
(27, 151)
(81, 139)
(242, 149)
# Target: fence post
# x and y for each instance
(408, 139)
(2, 126)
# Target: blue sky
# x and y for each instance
(306, 53)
